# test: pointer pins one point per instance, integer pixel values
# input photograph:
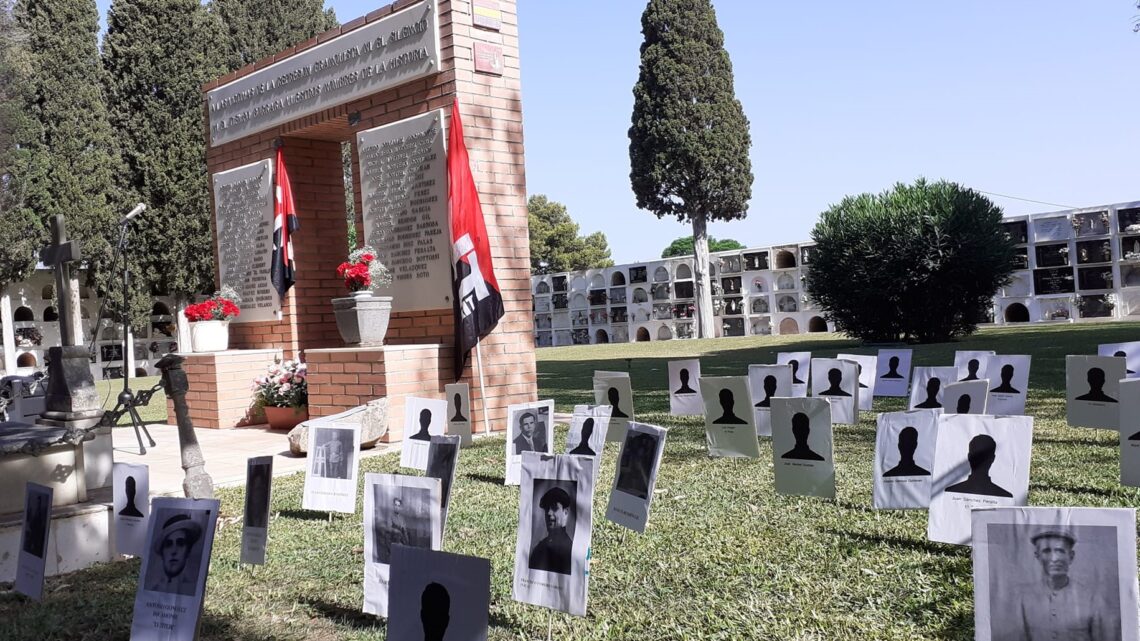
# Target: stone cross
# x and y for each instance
(60, 254)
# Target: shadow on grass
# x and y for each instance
(351, 617)
(486, 478)
(1076, 489)
(914, 545)
(304, 515)
(1076, 441)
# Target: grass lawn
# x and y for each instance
(724, 557)
(154, 412)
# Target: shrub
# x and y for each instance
(919, 263)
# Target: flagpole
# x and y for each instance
(482, 386)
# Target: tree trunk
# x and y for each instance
(701, 277)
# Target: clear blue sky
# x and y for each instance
(1034, 99)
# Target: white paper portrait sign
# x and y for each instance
(402, 510)
(636, 476)
(437, 595)
(1092, 387)
(684, 388)
(730, 429)
(904, 459)
(423, 419)
(459, 414)
(258, 496)
(892, 373)
(802, 447)
(1055, 573)
(966, 397)
(1009, 385)
(530, 428)
(587, 434)
(979, 461)
(616, 392)
(130, 490)
(172, 581)
(800, 363)
(767, 382)
(926, 386)
(837, 382)
(443, 460)
(555, 521)
(867, 374)
(1130, 432)
(330, 477)
(972, 365)
(1129, 351)
(32, 561)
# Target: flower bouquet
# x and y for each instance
(283, 392)
(362, 271)
(362, 318)
(210, 319)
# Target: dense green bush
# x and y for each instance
(920, 262)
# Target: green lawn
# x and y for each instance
(154, 412)
(724, 557)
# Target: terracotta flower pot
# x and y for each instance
(210, 336)
(285, 418)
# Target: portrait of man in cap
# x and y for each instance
(174, 545)
(553, 553)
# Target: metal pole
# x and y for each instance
(197, 484)
(482, 388)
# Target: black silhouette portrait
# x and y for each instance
(728, 415)
(932, 387)
(981, 456)
(130, 509)
(972, 369)
(908, 443)
(1096, 387)
(583, 446)
(459, 417)
(553, 553)
(35, 525)
(615, 398)
(425, 421)
(257, 497)
(858, 375)
(834, 378)
(1006, 386)
(529, 438)
(769, 390)
(441, 465)
(892, 368)
(963, 405)
(795, 372)
(1121, 354)
(435, 611)
(801, 429)
(684, 388)
(636, 464)
(1135, 437)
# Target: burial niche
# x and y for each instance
(48, 292)
(601, 336)
(785, 259)
(1016, 313)
(661, 275)
(789, 326)
(664, 333)
(684, 272)
(760, 305)
(24, 314)
(817, 324)
(597, 282)
(639, 295)
(787, 304)
(50, 315)
(642, 335)
(27, 359)
(618, 279)
(542, 288)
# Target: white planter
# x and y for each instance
(210, 336)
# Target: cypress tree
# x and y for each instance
(689, 141)
(157, 55)
(257, 28)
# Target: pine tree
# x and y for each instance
(257, 28)
(689, 140)
(157, 55)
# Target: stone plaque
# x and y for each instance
(243, 219)
(1052, 229)
(1053, 281)
(403, 178)
(392, 51)
(488, 58)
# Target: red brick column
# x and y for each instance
(220, 395)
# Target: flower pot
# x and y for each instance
(285, 418)
(362, 318)
(210, 336)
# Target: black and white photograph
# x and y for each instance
(1009, 385)
(1129, 351)
(258, 496)
(867, 375)
(684, 388)
(1130, 432)
(1093, 391)
(330, 479)
(423, 419)
(130, 493)
(555, 521)
(800, 362)
(979, 461)
(1055, 573)
(972, 365)
(767, 382)
(614, 389)
(459, 415)
(967, 397)
(530, 428)
(837, 382)
(927, 384)
(904, 459)
(892, 372)
(398, 509)
(638, 463)
(587, 433)
(730, 428)
(31, 564)
(172, 580)
(802, 447)
(438, 596)
(443, 461)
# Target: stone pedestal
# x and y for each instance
(46, 455)
(71, 394)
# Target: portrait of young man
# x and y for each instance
(176, 551)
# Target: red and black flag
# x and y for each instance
(284, 224)
(478, 302)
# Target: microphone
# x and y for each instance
(139, 208)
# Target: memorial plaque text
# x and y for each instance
(243, 207)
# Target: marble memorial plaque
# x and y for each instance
(243, 218)
(1046, 229)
